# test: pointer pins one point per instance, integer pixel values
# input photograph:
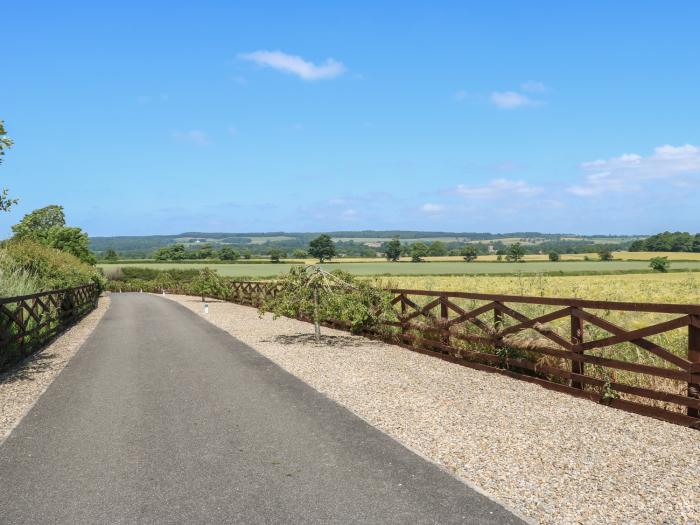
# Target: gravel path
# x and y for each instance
(20, 388)
(553, 457)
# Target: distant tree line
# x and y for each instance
(668, 242)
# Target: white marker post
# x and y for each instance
(206, 308)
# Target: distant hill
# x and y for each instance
(260, 242)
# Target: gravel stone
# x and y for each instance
(22, 386)
(552, 457)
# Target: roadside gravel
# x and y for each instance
(552, 457)
(21, 387)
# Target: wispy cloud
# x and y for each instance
(193, 136)
(498, 188)
(512, 100)
(295, 64)
(677, 165)
(533, 86)
(432, 209)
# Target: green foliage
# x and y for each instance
(247, 254)
(111, 255)
(437, 249)
(605, 254)
(299, 254)
(659, 264)
(554, 256)
(174, 252)
(469, 253)
(276, 255)
(322, 248)
(392, 249)
(44, 267)
(668, 242)
(229, 254)
(208, 283)
(47, 226)
(312, 293)
(418, 251)
(5, 143)
(515, 253)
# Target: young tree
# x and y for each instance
(418, 251)
(208, 283)
(276, 254)
(299, 254)
(605, 254)
(311, 292)
(392, 250)
(5, 143)
(228, 254)
(515, 253)
(322, 248)
(554, 256)
(111, 255)
(469, 253)
(247, 254)
(659, 264)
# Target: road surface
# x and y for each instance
(163, 418)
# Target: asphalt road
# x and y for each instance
(163, 418)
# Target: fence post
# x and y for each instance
(694, 358)
(444, 317)
(403, 314)
(576, 338)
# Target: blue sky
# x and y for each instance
(162, 117)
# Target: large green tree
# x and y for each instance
(322, 248)
(393, 249)
(47, 226)
(515, 252)
(5, 143)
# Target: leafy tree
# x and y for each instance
(499, 257)
(37, 224)
(469, 253)
(515, 252)
(5, 143)
(71, 240)
(174, 252)
(276, 254)
(605, 254)
(437, 249)
(208, 283)
(203, 251)
(247, 254)
(312, 293)
(299, 254)
(659, 264)
(418, 251)
(392, 249)
(228, 254)
(554, 256)
(111, 255)
(322, 248)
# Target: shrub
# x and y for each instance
(659, 264)
(554, 256)
(47, 268)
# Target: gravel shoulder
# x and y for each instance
(554, 458)
(21, 387)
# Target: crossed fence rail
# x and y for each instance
(572, 346)
(28, 322)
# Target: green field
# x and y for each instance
(428, 268)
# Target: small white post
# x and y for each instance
(206, 308)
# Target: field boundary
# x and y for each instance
(482, 337)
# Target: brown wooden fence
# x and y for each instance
(576, 346)
(27, 322)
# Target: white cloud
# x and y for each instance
(533, 86)
(630, 171)
(193, 136)
(498, 188)
(432, 209)
(295, 64)
(512, 100)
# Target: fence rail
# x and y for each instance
(27, 322)
(576, 346)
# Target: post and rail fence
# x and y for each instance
(573, 347)
(28, 322)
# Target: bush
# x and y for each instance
(659, 264)
(554, 256)
(32, 267)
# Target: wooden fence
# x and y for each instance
(28, 322)
(574, 346)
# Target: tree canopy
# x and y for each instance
(5, 143)
(392, 249)
(322, 248)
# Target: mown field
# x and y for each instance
(427, 268)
